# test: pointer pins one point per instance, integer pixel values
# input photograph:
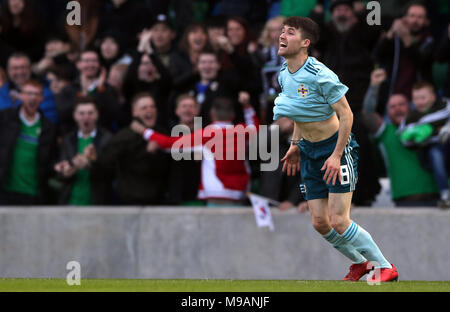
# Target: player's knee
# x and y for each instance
(339, 223)
(321, 225)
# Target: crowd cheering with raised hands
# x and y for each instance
(69, 93)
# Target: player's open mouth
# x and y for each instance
(283, 45)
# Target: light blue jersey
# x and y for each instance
(307, 94)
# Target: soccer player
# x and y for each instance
(225, 176)
(314, 98)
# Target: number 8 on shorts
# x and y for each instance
(345, 175)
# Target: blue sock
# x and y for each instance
(344, 247)
(364, 243)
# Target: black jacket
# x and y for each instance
(443, 55)
(101, 180)
(159, 88)
(141, 177)
(128, 19)
(181, 70)
(349, 56)
(220, 87)
(105, 98)
(404, 65)
(9, 132)
(184, 179)
(5, 52)
(276, 184)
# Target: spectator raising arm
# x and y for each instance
(198, 137)
(373, 120)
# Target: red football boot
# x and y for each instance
(357, 271)
(385, 275)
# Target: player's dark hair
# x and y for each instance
(309, 29)
(223, 109)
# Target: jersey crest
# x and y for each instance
(303, 90)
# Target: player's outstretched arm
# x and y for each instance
(166, 142)
(292, 158)
(249, 113)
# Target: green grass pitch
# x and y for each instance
(128, 285)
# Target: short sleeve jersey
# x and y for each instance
(307, 94)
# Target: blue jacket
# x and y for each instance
(47, 107)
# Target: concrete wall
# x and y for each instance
(132, 242)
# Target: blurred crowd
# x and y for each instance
(68, 94)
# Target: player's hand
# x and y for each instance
(377, 77)
(332, 168)
(291, 160)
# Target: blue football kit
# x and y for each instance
(307, 96)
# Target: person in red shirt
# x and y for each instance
(225, 174)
